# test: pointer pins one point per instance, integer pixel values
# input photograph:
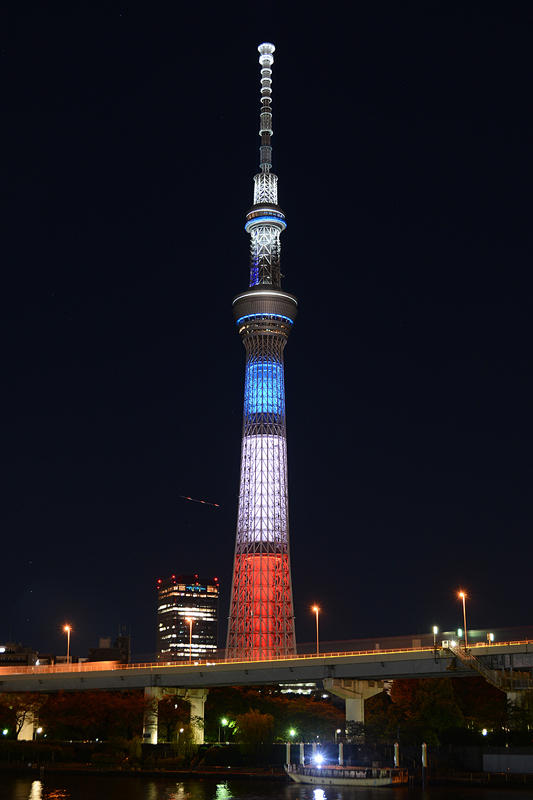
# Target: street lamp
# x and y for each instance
(67, 629)
(189, 621)
(435, 631)
(316, 609)
(463, 596)
(292, 732)
(223, 722)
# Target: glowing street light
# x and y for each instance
(292, 732)
(316, 609)
(223, 722)
(189, 621)
(67, 629)
(435, 631)
(462, 595)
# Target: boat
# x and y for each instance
(332, 775)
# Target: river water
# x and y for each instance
(104, 787)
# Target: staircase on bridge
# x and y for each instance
(514, 682)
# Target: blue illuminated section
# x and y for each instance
(264, 388)
(254, 276)
(264, 316)
(270, 220)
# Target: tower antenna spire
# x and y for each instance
(266, 59)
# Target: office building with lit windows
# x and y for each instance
(187, 618)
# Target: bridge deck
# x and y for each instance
(363, 665)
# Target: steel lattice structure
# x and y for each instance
(261, 622)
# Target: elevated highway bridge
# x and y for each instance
(354, 675)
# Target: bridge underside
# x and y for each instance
(385, 666)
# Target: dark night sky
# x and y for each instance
(403, 144)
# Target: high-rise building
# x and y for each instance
(261, 621)
(187, 618)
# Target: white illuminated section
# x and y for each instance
(263, 496)
(266, 293)
(265, 188)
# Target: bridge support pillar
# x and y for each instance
(196, 699)
(355, 693)
(26, 732)
(152, 696)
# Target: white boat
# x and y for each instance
(347, 776)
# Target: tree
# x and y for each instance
(21, 707)
(309, 716)
(380, 725)
(482, 705)
(254, 728)
(93, 715)
(173, 714)
(423, 709)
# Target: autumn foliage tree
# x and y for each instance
(93, 715)
(254, 730)
(308, 716)
(173, 713)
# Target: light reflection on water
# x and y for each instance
(56, 786)
(36, 791)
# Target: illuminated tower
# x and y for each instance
(261, 622)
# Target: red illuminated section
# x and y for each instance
(262, 625)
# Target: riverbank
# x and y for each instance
(255, 773)
(485, 780)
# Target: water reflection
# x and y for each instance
(36, 791)
(190, 790)
(58, 786)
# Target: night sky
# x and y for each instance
(403, 147)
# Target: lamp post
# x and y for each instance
(189, 621)
(435, 631)
(316, 609)
(67, 629)
(462, 595)
(223, 722)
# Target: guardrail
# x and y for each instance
(103, 666)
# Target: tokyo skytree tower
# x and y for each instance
(261, 621)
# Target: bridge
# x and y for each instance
(355, 675)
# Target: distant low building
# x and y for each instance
(16, 654)
(181, 598)
(120, 650)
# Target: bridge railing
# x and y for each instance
(102, 666)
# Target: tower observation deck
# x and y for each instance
(261, 621)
